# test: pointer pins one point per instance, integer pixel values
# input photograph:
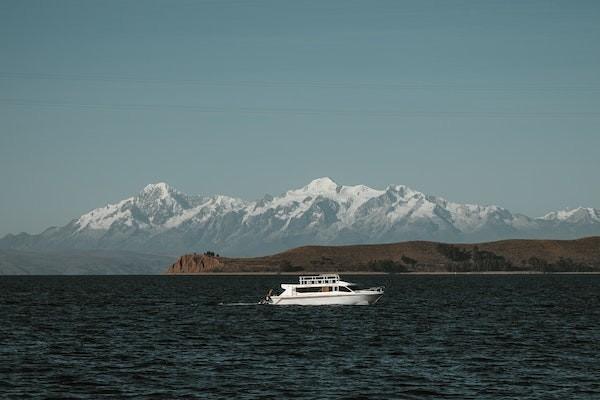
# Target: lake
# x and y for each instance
(458, 337)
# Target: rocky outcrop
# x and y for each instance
(196, 263)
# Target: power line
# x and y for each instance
(454, 86)
(19, 102)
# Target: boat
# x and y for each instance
(324, 289)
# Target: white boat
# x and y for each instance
(323, 290)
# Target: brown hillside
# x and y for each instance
(581, 254)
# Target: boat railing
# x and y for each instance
(319, 279)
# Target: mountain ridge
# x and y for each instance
(161, 219)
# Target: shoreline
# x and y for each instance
(380, 273)
(346, 273)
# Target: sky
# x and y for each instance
(487, 102)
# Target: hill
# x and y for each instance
(581, 255)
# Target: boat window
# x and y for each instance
(355, 287)
(308, 289)
(344, 289)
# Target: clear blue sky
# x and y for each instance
(477, 101)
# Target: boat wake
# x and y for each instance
(239, 304)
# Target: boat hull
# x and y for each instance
(331, 299)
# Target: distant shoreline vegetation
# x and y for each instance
(482, 261)
(464, 260)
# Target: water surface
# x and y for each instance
(460, 337)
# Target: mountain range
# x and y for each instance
(163, 220)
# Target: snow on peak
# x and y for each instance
(145, 209)
(295, 203)
(228, 203)
(162, 189)
(157, 185)
(104, 217)
(208, 207)
(404, 191)
(570, 214)
(320, 185)
(327, 188)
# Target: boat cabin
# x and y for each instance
(317, 284)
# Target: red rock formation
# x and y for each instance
(195, 263)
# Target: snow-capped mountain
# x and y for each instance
(569, 223)
(157, 207)
(163, 220)
(575, 215)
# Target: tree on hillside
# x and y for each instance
(286, 266)
(408, 260)
(388, 266)
(454, 253)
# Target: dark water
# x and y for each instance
(455, 337)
